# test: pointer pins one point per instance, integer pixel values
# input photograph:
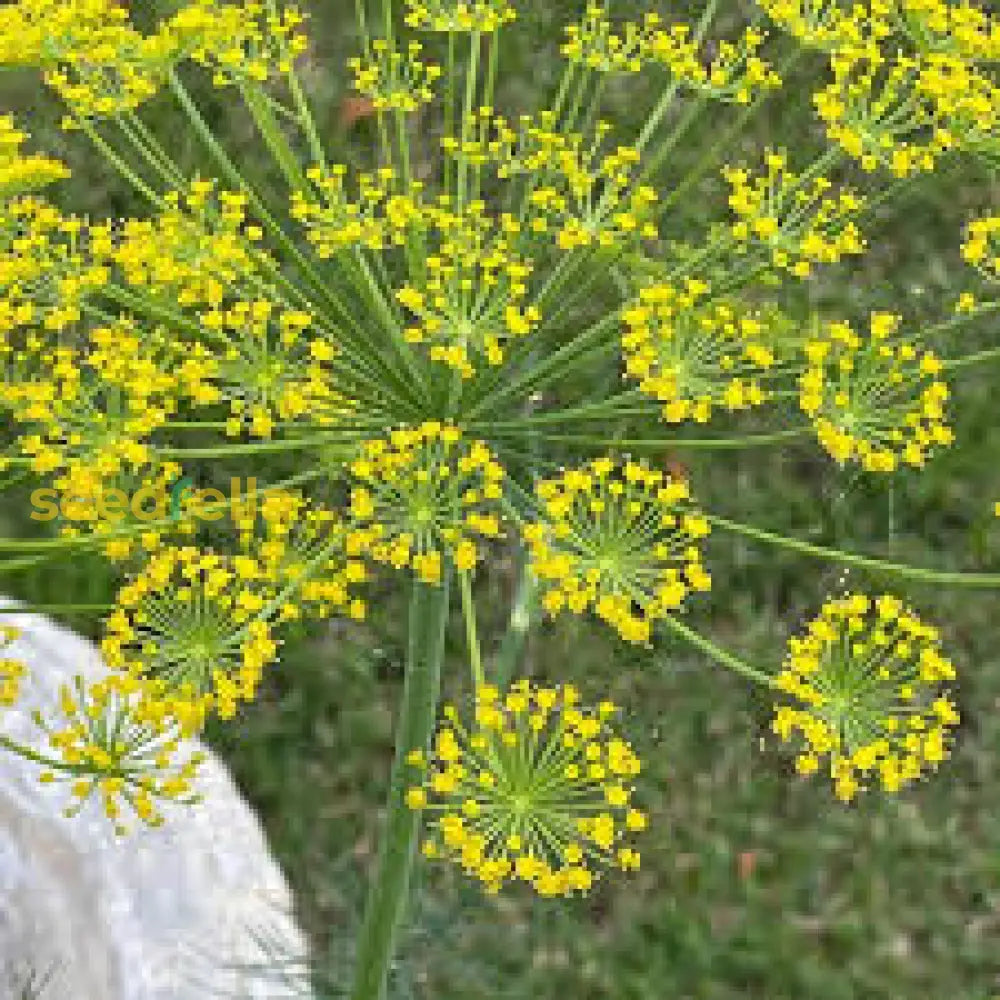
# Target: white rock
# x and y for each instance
(172, 913)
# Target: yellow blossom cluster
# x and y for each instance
(734, 73)
(380, 217)
(802, 222)
(874, 399)
(202, 624)
(101, 66)
(617, 538)
(459, 15)
(469, 300)
(200, 253)
(911, 78)
(867, 682)
(693, 355)
(962, 28)
(982, 246)
(45, 274)
(537, 789)
(303, 546)
(18, 173)
(829, 26)
(593, 43)
(421, 493)
(112, 748)
(88, 414)
(393, 80)
(585, 195)
(87, 51)
(239, 42)
(12, 672)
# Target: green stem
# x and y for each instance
(852, 559)
(991, 354)
(469, 614)
(517, 628)
(274, 138)
(387, 897)
(727, 659)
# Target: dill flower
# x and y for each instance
(822, 24)
(801, 223)
(12, 672)
(961, 29)
(270, 362)
(459, 15)
(581, 191)
(423, 493)
(617, 538)
(867, 681)
(18, 173)
(732, 74)
(88, 53)
(45, 274)
(201, 623)
(380, 216)
(537, 789)
(301, 545)
(692, 355)
(111, 750)
(982, 246)
(394, 80)
(89, 414)
(592, 43)
(874, 399)
(469, 300)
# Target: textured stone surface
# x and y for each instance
(168, 914)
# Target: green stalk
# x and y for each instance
(525, 604)
(469, 614)
(852, 559)
(470, 92)
(387, 897)
(273, 137)
(727, 659)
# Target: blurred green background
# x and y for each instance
(754, 883)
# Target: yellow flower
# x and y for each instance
(618, 539)
(115, 743)
(875, 400)
(866, 679)
(483, 16)
(694, 356)
(801, 224)
(544, 817)
(423, 493)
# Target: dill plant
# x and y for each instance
(410, 335)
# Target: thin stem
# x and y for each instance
(517, 628)
(852, 559)
(469, 614)
(991, 354)
(727, 659)
(387, 897)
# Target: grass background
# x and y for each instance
(754, 883)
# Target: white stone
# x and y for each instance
(182, 912)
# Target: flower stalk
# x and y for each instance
(387, 898)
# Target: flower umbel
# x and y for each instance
(876, 399)
(694, 356)
(112, 747)
(423, 493)
(617, 538)
(867, 678)
(536, 789)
